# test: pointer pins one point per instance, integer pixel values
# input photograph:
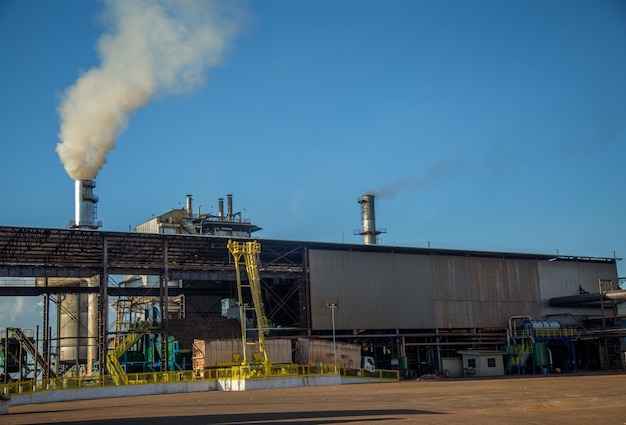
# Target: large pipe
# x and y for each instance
(85, 205)
(220, 212)
(368, 217)
(619, 295)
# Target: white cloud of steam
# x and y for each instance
(410, 183)
(152, 48)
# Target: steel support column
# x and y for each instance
(164, 310)
(103, 309)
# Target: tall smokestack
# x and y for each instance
(85, 206)
(368, 216)
(189, 205)
(220, 211)
(229, 205)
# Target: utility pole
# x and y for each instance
(333, 306)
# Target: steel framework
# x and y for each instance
(51, 253)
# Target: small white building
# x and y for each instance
(482, 362)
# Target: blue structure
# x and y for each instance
(531, 339)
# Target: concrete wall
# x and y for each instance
(111, 392)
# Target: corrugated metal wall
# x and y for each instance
(404, 291)
(565, 278)
(372, 290)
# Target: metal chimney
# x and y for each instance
(229, 200)
(189, 205)
(220, 212)
(85, 206)
(368, 216)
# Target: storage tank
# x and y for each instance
(540, 354)
(77, 322)
(541, 324)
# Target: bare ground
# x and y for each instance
(598, 399)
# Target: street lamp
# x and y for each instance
(333, 306)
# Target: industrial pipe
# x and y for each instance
(617, 295)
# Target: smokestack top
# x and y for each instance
(85, 204)
(368, 217)
(189, 205)
(229, 206)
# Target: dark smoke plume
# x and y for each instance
(410, 183)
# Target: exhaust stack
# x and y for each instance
(368, 217)
(85, 205)
(229, 206)
(220, 212)
(189, 205)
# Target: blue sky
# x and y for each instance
(498, 125)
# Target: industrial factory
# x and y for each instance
(175, 293)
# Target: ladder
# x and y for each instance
(518, 361)
(114, 366)
(247, 253)
(28, 345)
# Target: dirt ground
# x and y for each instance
(598, 399)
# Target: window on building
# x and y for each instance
(471, 363)
(491, 362)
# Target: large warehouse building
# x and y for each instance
(413, 309)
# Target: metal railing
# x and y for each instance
(235, 372)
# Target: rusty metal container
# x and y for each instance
(210, 353)
(315, 351)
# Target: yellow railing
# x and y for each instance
(113, 365)
(564, 332)
(284, 370)
(520, 355)
(236, 372)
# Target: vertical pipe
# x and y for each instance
(229, 200)
(49, 350)
(6, 357)
(189, 205)
(220, 212)
(36, 352)
(92, 329)
(46, 324)
(79, 307)
(21, 364)
(59, 299)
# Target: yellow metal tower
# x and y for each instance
(248, 253)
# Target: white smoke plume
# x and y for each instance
(406, 184)
(151, 48)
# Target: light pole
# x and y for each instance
(333, 306)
